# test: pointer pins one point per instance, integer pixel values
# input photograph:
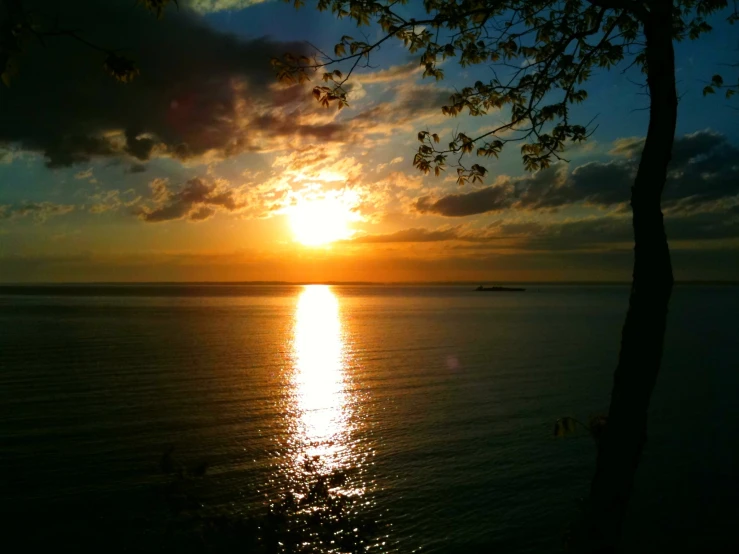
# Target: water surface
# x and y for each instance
(427, 410)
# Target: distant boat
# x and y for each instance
(498, 289)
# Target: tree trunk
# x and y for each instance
(642, 337)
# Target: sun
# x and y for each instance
(320, 221)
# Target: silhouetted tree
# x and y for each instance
(542, 53)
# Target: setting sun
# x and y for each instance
(320, 221)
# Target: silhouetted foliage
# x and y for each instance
(566, 426)
(19, 27)
(318, 516)
(541, 52)
(718, 83)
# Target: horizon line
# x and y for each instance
(347, 283)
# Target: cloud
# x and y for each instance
(201, 95)
(39, 211)
(136, 168)
(197, 200)
(410, 235)
(526, 235)
(411, 105)
(704, 170)
(628, 147)
(200, 92)
(207, 6)
(685, 148)
(112, 200)
(587, 233)
(604, 231)
(87, 174)
(6, 156)
(488, 199)
(391, 74)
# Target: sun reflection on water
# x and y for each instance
(327, 500)
(319, 381)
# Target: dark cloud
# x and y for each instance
(197, 200)
(602, 184)
(544, 189)
(590, 233)
(685, 148)
(410, 235)
(707, 175)
(705, 169)
(281, 125)
(40, 211)
(604, 232)
(488, 199)
(575, 234)
(196, 92)
(137, 168)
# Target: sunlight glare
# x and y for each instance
(320, 221)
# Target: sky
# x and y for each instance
(205, 168)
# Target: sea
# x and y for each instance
(350, 418)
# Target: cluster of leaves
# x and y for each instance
(120, 68)
(541, 53)
(717, 82)
(566, 426)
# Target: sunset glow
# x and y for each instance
(333, 277)
(218, 170)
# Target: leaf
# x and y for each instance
(708, 90)
(565, 426)
(157, 6)
(122, 69)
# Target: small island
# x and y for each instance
(498, 289)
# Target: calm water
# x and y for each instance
(427, 410)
